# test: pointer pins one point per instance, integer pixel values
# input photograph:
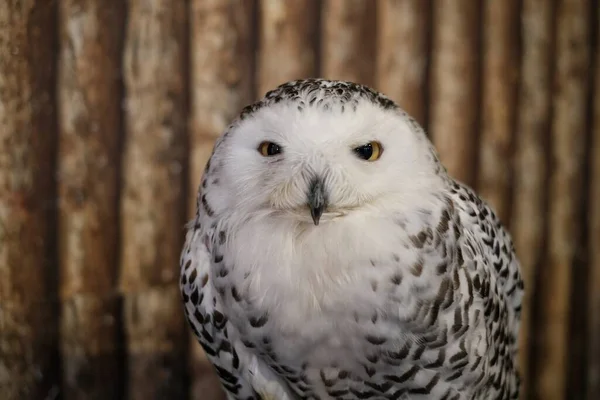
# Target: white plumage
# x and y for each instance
(406, 286)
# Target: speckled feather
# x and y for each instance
(408, 289)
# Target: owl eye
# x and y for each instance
(370, 151)
(268, 149)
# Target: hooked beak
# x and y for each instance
(317, 199)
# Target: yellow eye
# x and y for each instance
(370, 151)
(268, 149)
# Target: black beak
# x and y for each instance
(317, 199)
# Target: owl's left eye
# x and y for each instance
(370, 151)
(268, 149)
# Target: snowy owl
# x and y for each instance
(333, 257)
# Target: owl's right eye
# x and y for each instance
(268, 149)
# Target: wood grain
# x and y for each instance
(530, 173)
(287, 42)
(571, 84)
(593, 373)
(499, 87)
(402, 53)
(153, 198)
(454, 84)
(90, 127)
(348, 41)
(28, 298)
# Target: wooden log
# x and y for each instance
(156, 344)
(348, 41)
(153, 198)
(402, 53)
(593, 374)
(287, 43)
(530, 175)
(221, 85)
(569, 121)
(454, 83)
(90, 122)
(28, 298)
(499, 82)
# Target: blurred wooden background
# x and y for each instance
(109, 109)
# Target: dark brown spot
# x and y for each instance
(457, 320)
(376, 340)
(441, 295)
(372, 358)
(235, 294)
(397, 279)
(455, 279)
(327, 382)
(401, 354)
(259, 322)
(193, 275)
(459, 256)
(427, 389)
(417, 268)
(404, 377)
(219, 319)
(442, 267)
(207, 208)
(444, 221)
(418, 353)
(440, 360)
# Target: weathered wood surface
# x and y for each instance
(569, 126)
(454, 84)
(287, 42)
(222, 56)
(593, 355)
(348, 41)
(530, 173)
(90, 123)
(499, 92)
(153, 198)
(28, 312)
(403, 32)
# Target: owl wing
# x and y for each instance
(244, 375)
(496, 247)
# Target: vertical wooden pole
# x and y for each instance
(454, 85)
(571, 85)
(531, 142)
(153, 197)
(90, 123)
(593, 373)
(28, 312)
(288, 33)
(402, 60)
(348, 41)
(223, 46)
(499, 83)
